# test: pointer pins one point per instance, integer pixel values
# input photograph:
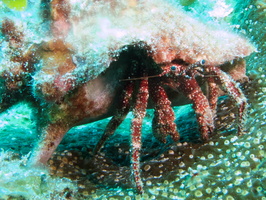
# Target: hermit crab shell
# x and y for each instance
(102, 29)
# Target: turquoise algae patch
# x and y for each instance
(17, 126)
(17, 181)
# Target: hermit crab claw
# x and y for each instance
(183, 80)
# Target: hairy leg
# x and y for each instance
(190, 88)
(163, 121)
(119, 117)
(139, 112)
(232, 89)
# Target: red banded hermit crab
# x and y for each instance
(106, 58)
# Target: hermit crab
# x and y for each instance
(107, 58)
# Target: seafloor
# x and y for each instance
(228, 167)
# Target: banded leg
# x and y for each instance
(190, 87)
(231, 88)
(118, 118)
(212, 94)
(163, 122)
(139, 112)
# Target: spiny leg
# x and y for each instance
(139, 112)
(163, 122)
(119, 117)
(232, 89)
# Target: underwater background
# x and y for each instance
(227, 167)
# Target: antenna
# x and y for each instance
(141, 78)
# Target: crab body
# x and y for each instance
(107, 58)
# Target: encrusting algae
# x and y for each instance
(226, 167)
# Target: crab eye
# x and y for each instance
(202, 62)
(173, 68)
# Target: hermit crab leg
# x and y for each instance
(192, 90)
(212, 93)
(163, 122)
(118, 118)
(139, 112)
(181, 78)
(232, 89)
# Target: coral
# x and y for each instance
(228, 166)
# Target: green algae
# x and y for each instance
(18, 5)
(186, 2)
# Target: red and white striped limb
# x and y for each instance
(118, 118)
(139, 112)
(204, 113)
(230, 87)
(163, 122)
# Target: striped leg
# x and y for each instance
(163, 122)
(182, 79)
(139, 112)
(231, 88)
(118, 118)
(192, 90)
(212, 94)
